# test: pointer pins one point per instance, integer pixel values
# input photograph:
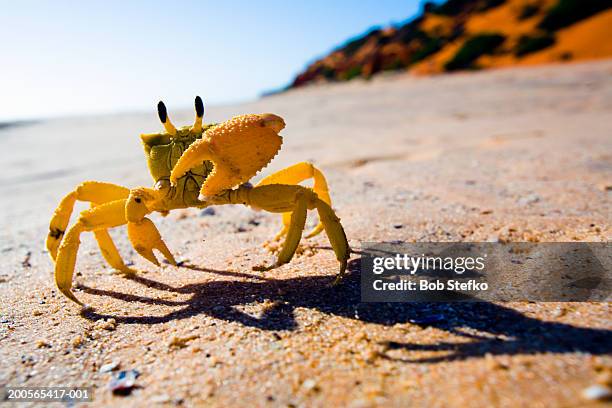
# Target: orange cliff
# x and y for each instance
(474, 34)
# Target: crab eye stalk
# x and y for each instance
(199, 107)
(165, 120)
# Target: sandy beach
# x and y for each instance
(516, 154)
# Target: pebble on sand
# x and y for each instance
(605, 187)
(310, 385)
(110, 324)
(207, 211)
(597, 392)
(43, 344)
(106, 368)
(123, 382)
(181, 342)
(528, 200)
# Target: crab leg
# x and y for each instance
(59, 222)
(131, 210)
(145, 237)
(294, 232)
(142, 233)
(294, 175)
(110, 253)
(108, 215)
(281, 198)
(96, 193)
(335, 234)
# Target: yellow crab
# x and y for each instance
(196, 166)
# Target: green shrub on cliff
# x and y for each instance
(351, 73)
(528, 44)
(567, 12)
(472, 49)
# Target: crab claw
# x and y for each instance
(238, 148)
(145, 237)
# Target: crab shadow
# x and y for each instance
(501, 330)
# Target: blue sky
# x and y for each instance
(78, 57)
